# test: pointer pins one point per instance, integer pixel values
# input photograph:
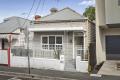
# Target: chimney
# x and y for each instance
(37, 19)
(53, 10)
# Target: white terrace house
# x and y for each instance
(57, 41)
(65, 33)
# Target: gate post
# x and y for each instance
(8, 57)
(9, 51)
(62, 62)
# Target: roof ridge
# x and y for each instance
(55, 13)
(76, 12)
(44, 18)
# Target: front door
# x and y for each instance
(113, 47)
(79, 45)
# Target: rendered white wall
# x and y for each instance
(81, 66)
(38, 63)
(100, 13)
(112, 10)
(100, 21)
(3, 57)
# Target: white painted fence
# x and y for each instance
(81, 66)
(3, 56)
(39, 63)
(51, 54)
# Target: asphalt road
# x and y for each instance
(9, 77)
(52, 73)
(4, 77)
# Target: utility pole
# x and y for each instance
(28, 54)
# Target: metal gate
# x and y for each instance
(4, 57)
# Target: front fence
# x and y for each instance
(38, 63)
(21, 52)
(54, 54)
(3, 56)
(38, 59)
(37, 53)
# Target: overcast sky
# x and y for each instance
(21, 8)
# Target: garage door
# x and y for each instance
(113, 47)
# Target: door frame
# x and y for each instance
(74, 48)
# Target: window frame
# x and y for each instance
(51, 44)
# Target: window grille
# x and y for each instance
(52, 42)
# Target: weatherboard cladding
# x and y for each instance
(67, 45)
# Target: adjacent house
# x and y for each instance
(11, 36)
(107, 30)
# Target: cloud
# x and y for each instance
(87, 2)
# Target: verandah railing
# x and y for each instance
(81, 52)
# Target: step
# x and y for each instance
(70, 65)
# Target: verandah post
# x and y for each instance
(9, 49)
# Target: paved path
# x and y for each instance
(106, 78)
(110, 68)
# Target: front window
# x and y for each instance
(52, 42)
(58, 40)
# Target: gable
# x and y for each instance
(16, 30)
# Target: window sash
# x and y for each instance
(52, 40)
(52, 46)
(57, 40)
(45, 42)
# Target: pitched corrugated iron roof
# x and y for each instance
(64, 14)
(11, 24)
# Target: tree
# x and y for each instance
(90, 13)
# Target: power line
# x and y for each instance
(29, 12)
(43, 6)
(57, 1)
(27, 35)
(38, 6)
